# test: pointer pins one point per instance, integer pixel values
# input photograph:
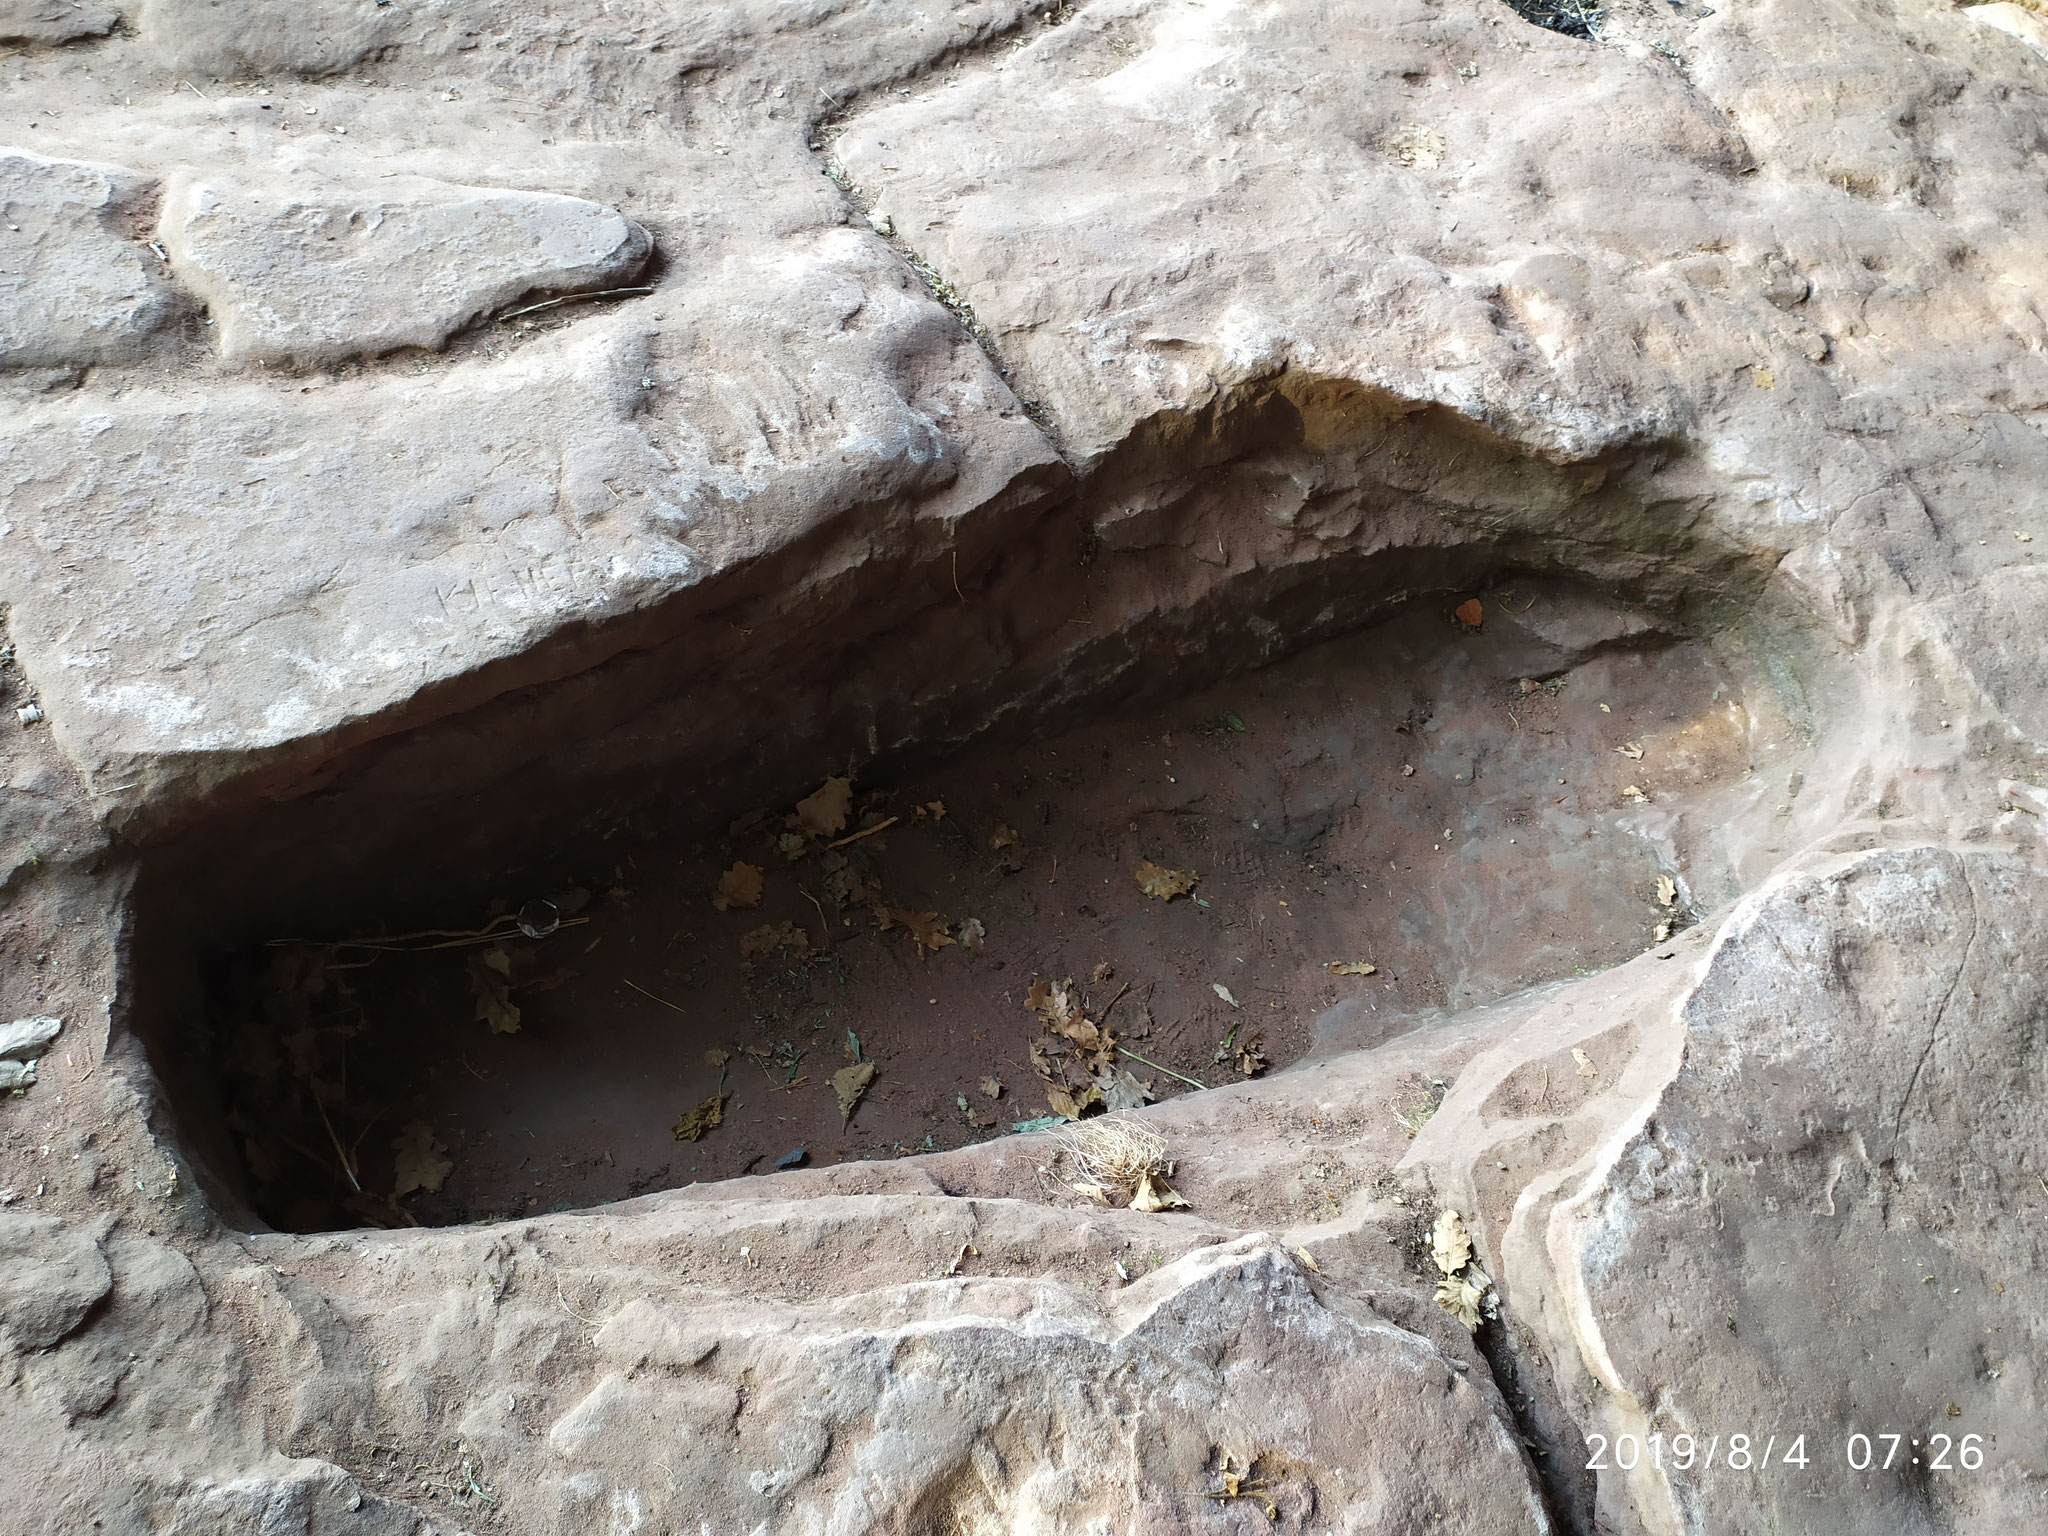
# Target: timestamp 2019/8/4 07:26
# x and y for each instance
(1746, 1453)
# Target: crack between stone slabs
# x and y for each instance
(971, 50)
(952, 301)
(1934, 1030)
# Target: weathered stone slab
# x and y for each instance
(312, 269)
(54, 21)
(77, 282)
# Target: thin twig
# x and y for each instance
(865, 832)
(823, 927)
(491, 927)
(956, 579)
(1113, 1002)
(590, 1322)
(343, 1156)
(661, 1000)
(574, 298)
(1157, 1068)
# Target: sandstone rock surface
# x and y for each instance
(999, 366)
(54, 21)
(78, 283)
(316, 269)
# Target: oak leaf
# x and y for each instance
(489, 975)
(1471, 612)
(1450, 1244)
(739, 886)
(1157, 880)
(419, 1163)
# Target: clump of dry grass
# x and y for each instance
(1121, 1159)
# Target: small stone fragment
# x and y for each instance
(26, 1039)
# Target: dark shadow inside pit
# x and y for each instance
(1451, 805)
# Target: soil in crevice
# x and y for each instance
(1467, 809)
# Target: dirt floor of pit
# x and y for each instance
(1467, 810)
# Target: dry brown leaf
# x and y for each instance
(1002, 837)
(717, 1057)
(1450, 1244)
(1630, 749)
(1153, 1195)
(1157, 880)
(1071, 1104)
(1586, 1067)
(792, 845)
(932, 810)
(850, 1084)
(1662, 931)
(928, 929)
(1120, 1090)
(494, 1003)
(692, 1126)
(972, 934)
(1093, 1192)
(419, 1163)
(824, 813)
(1351, 968)
(1471, 612)
(792, 943)
(1083, 1032)
(1308, 1261)
(1635, 793)
(1101, 973)
(991, 1088)
(1224, 992)
(739, 886)
(1462, 1299)
(1667, 891)
(1251, 1054)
